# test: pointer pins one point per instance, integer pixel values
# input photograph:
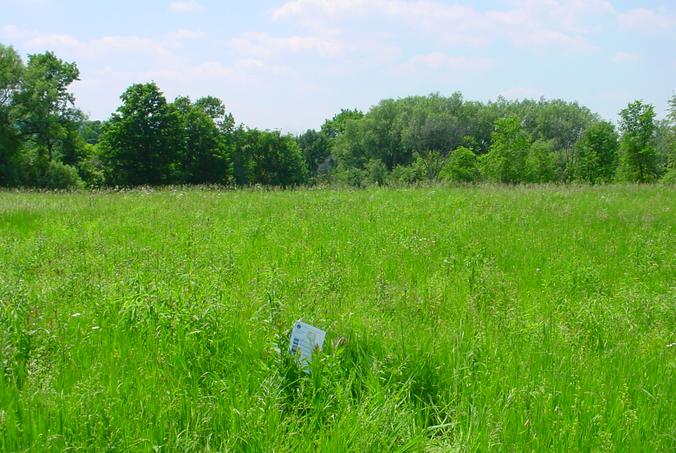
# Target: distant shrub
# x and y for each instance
(61, 176)
(429, 164)
(669, 177)
(91, 169)
(376, 172)
(541, 162)
(352, 177)
(406, 174)
(462, 166)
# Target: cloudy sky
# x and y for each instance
(290, 64)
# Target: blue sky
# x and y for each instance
(290, 64)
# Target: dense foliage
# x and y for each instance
(152, 141)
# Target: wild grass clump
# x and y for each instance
(458, 319)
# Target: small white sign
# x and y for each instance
(304, 340)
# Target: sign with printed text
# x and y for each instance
(304, 340)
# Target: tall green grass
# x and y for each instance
(522, 319)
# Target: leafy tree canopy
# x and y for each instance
(142, 140)
(639, 159)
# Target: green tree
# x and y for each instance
(375, 172)
(72, 145)
(394, 131)
(90, 131)
(242, 163)
(595, 157)
(665, 141)
(506, 158)
(44, 105)
(406, 174)
(211, 106)
(141, 143)
(336, 126)
(11, 76)
(541, 162)
(92, 167)
(462, 166)
(375, 136)
(354, 147)
(268, 158)
(431, 122)
(60, 176)
(204, 155)
(215, 109)
(316, 147)
(665, 144)
(558, 122)
(637, 149)
(430, 163)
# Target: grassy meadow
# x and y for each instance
(458, 319)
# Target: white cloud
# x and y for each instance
(442, 62)
(542, 24)
(128, 45)
(262, 45)
(185, 7)
(203, 71)
(451, 23)
(184, 34)
(326, 7)
(625, 57)
(644, 19)
(573, 16)
(52, 41)
(545, 40)
(71, 47)
(211, 70)
(12, 33)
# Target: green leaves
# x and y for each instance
(506, 158)
(595, 156)
(541, 163)
(462, 166)
(316, 147)
(44, 105)
(141, 142)
(11, 74)
(638, 156)
(205, 154)
(268, 158)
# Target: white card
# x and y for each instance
(304, 340)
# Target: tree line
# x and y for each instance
(47, 142)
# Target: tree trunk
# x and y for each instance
(50, 150)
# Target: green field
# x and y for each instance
(516, 319)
